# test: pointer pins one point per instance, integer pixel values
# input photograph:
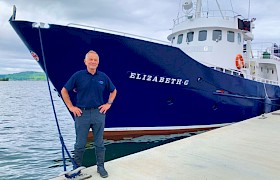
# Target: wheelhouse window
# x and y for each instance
(239, 38)
(202, 35)
(190, 36)
(172, 40)
(217, 35)
(230, 36)
(180, 39)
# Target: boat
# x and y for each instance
(206, 76)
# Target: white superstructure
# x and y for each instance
(218, 39)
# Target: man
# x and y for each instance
(90, 108)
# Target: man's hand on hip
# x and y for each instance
(103, 108)
(76, 111)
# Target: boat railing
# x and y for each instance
(227, 14)
(266, 50)
(228, 71)
(119, 33)
(263, 80)
(243, 75)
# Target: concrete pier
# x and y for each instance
(246, 150)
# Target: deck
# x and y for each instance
(245, 150)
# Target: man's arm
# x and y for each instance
(103, 108)
(112, 96)
(75, 110)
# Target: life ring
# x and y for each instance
(239, 61)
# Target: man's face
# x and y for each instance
(92, 61)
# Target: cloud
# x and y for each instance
(9, 66)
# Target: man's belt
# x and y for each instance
(88, 108)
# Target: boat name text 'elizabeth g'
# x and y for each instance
(160, 79)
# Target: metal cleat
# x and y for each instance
(75, 174)
(263, 116)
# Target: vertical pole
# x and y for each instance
(198, 8)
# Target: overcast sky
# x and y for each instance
(149, 18)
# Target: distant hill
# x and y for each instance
(24, 76)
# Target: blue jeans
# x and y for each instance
(89, 118)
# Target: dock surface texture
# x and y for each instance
(246, 150)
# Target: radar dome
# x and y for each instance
(187, 4)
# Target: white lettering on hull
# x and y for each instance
(158, 79)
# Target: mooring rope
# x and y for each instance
(63, 146)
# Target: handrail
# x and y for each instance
(251, 77)
(262, 49)
(207, 14)
(263, 80)
(120, 33)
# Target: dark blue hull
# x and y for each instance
(194, 94)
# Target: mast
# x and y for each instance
(220, 9)
(198, 8)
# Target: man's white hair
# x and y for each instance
(91, 51)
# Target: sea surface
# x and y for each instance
(29, 143)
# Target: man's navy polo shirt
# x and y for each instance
(89, 88)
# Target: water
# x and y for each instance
(29, 143)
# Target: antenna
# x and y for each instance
(249, 9)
